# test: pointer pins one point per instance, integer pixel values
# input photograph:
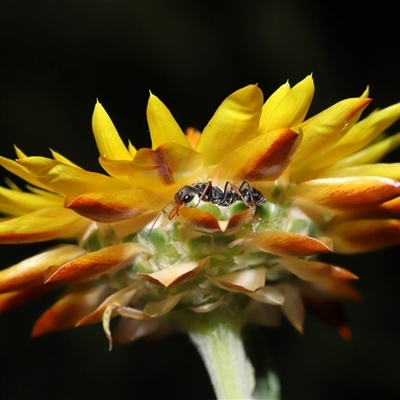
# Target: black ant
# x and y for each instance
(213, 194)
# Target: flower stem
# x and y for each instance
(217, 336)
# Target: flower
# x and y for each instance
(271, 191)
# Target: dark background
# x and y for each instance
(57, 57)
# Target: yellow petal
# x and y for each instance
(117, 206)
(370, 154)
(324, 130)
(263, 158)
(65, 179)
(234, 123)
(121, 169)
(16, 203)
(163, 127)
(364, 235)
(20, 171)
(288, 243)
(347, 193)
(248, 280)
(107, 139)
(30, 271)
(391, 171)
(69, 309)
(60, 158)
(361, 134)
(96, 263)
(167, 165)
(287, 110)
(38, 226)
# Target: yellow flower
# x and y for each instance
(272, 191)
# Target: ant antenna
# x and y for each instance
(158, 216)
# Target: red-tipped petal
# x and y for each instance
(11, 300)
(263, 158)
(30, 271)
(122, 297)
(364, 235)
(199, 221)
(117, 206)
(288, 243)
(314, 271)
(95, 264)
(69, 309)
(347, 193)
(38, 226)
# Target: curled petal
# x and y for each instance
(347, 193)
(65, 179)
(236, 221)
(117, 206)
(235, 122)
(288, 243)
(122, 297)
(30, 271)
(199, 221)
(263, 158)
(268, 294)
(95, 263)
(364, 235)
(175, 274)
(153, 309)
(287, 107)
(107, 139)
(38, 226)
(247, 281)
(69, 309)
(314, 271)
(163, 127)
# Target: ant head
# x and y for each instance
(184, 196)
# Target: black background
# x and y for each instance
(57, 57)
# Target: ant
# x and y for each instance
(223, 198)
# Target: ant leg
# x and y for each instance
(251, 205)
(159, 215)
(207, 191)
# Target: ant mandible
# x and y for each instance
(206, 192)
